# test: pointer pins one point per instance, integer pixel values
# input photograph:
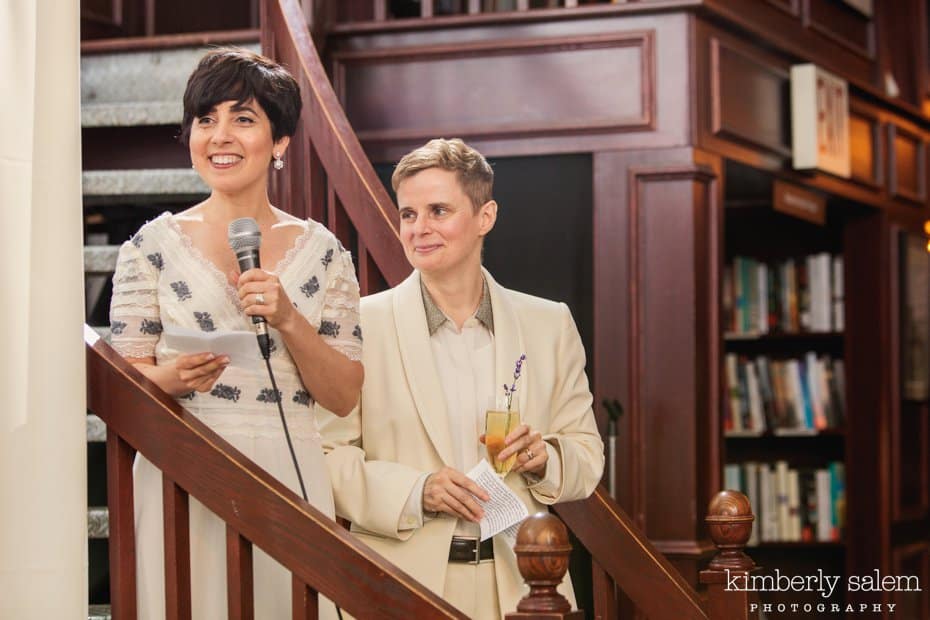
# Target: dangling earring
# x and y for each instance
(278, 162)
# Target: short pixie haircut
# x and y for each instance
(470, 167)
(235, 74)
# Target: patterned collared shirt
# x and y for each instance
(435, 317)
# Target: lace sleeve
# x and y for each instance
(339, 321)
(135, 320)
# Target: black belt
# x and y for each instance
(470, 550)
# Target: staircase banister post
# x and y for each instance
(729, 522)
(543, 550)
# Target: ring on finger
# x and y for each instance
(260, 299)
(529, 454)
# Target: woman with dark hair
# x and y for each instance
(240, 110)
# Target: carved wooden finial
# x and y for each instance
(542, 556)
(729, 520)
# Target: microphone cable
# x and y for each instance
(287, 435)
(266, 353)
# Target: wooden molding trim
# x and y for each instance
(877, 179)
(919, 196)
(169, 41)
(718, 122)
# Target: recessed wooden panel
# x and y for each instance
(911, 461)
(841, 23)
(906, 161)
(501, 87)
(865, 147)
(907, 562)
(750, 100)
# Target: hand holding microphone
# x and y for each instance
(260, 293)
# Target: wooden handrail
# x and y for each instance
(326, 140)
(257, 508)
(637, 567)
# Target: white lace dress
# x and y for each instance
(162, 279)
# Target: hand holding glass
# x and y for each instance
(497, 425)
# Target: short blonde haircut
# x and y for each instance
(470, 167)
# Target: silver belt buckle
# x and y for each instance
(477, 552)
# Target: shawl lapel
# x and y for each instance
(419, 366)
(508, 345)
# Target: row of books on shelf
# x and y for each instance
(784, 396)
(792, 505)
(789, 296)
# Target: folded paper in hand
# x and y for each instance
(240, 346)
(504, 509)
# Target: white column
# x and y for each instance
(43, 530)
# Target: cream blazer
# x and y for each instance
(400, 429)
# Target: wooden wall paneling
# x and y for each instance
(749, 98)
(841, 23)
(401, 88)
(908, 561)
(607, 79)
(870, 277)
(910, 468)
(654, 295)
(783, 30)
(907, 165)
(177, 551)
(866, 145)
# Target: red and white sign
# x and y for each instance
(819, 120)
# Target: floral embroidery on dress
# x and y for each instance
(150, 326)
(227, 392)
(302, 397)
(327, 258)
(189, 396)
(205, 321)
(181, 289)
(328, 328)
(310, 287)
(137, 240)
(156, 261)
(117, 327)
(269, 395)
(357, 332)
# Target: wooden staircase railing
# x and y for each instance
(629, 558)
(257, 509)
(330, 179)
(328, 176)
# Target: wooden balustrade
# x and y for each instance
(257, 509)
(328, 176)
(380, 10)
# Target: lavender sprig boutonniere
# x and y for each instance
(509, 390)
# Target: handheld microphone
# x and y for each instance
(245, 239)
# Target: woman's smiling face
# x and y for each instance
(231, 146)
(440, 229)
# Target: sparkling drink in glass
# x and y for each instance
(497, 424)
